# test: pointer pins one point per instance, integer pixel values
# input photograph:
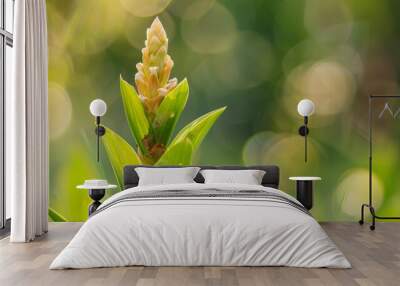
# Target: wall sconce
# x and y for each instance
(305, 108)
(98, 108)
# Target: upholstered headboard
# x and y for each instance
(270, 179)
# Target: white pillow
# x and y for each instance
(165, 176)
(247, 177)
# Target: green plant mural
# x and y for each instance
(153, 110)
(257, 57)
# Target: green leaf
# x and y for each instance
(169, 112)
(198, 129)
(134, 113)
(119, 153)
(194, 133)
(179, 154)
(78, 166)
(55, 216)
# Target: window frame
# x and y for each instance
(6, 39)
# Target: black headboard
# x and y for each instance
(271, 177)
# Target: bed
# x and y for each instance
(198, 224)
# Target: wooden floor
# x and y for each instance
(375, 257)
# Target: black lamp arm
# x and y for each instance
(303, 131)
(99, 131)
(305, 138)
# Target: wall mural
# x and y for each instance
(258, 58)
(152, 110)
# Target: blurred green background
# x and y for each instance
(257, 57)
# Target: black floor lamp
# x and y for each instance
(370, 201)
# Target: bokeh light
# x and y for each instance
(350, 58)
(257, 145)
(204, 79)
(146, 8)
(287, 150)
(329, 19)
(60, 68)
(247, 64)
(60, 110)
(328, 84)
(94, 25)
(214, 32)
(352, 191)
(190, 9)
(56, 35)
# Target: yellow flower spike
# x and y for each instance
(166, 71)
(152, 77)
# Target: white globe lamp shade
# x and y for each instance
(98, 107)
(305, 107)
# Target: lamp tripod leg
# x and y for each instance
(372, 210)
(361, 221)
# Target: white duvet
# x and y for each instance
(200, 231)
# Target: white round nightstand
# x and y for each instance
(304, 190)
(97, 190)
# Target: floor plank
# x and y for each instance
(375, 257)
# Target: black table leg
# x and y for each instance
(305, 193)
(96, 195)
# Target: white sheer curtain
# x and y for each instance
(27, 124)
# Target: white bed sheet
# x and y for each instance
(200, 231)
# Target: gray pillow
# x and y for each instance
(245, 177)
(166, 176)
